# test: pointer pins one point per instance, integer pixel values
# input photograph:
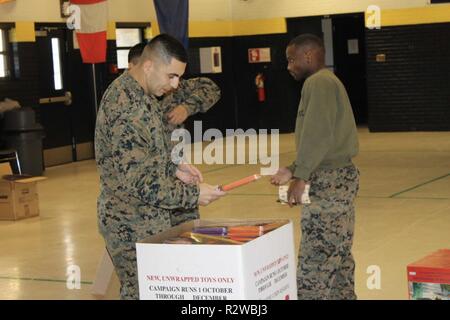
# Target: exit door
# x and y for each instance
(350, 60)
(55, 99)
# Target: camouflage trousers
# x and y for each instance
(121, 236)
(326, 266)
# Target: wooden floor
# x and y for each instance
(403, 213)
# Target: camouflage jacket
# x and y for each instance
(137, 176)
(196, 94)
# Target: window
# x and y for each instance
(4, 54)
(56, 58)
(125, 39)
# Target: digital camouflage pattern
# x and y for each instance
(326, 266)
(139, 192)
(198, 95)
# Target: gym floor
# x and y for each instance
(402, 214)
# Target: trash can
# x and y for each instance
(22, 133)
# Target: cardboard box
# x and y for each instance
(18, 195)
(261, 269)
(429, 278)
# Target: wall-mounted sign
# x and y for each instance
(258, 55)
(210, 60)
(380, 57)
(353, 46)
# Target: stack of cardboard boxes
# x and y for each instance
(18, 195)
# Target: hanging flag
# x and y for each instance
(92, 34)
(173, 16)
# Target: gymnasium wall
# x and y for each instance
(237, 25)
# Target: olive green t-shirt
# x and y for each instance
(325, 131)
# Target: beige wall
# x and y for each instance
(209, 10)
(217, 11)
(30, 10)
(143, 10)
(48, 10)
(131, 10)
(262, 9)
(203, 10)
(118, 10)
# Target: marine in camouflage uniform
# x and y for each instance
(197, 95)
(139, 190)
(326, 266)
(326, 140)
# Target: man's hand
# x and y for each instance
(282, 176)
(189, 174)
(209, 194)
(295, 192)
(178, 115)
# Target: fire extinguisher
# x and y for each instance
(259, 82)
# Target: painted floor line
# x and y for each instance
(419, 185)
(41, 279)
(360, 197)
(404, 151)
